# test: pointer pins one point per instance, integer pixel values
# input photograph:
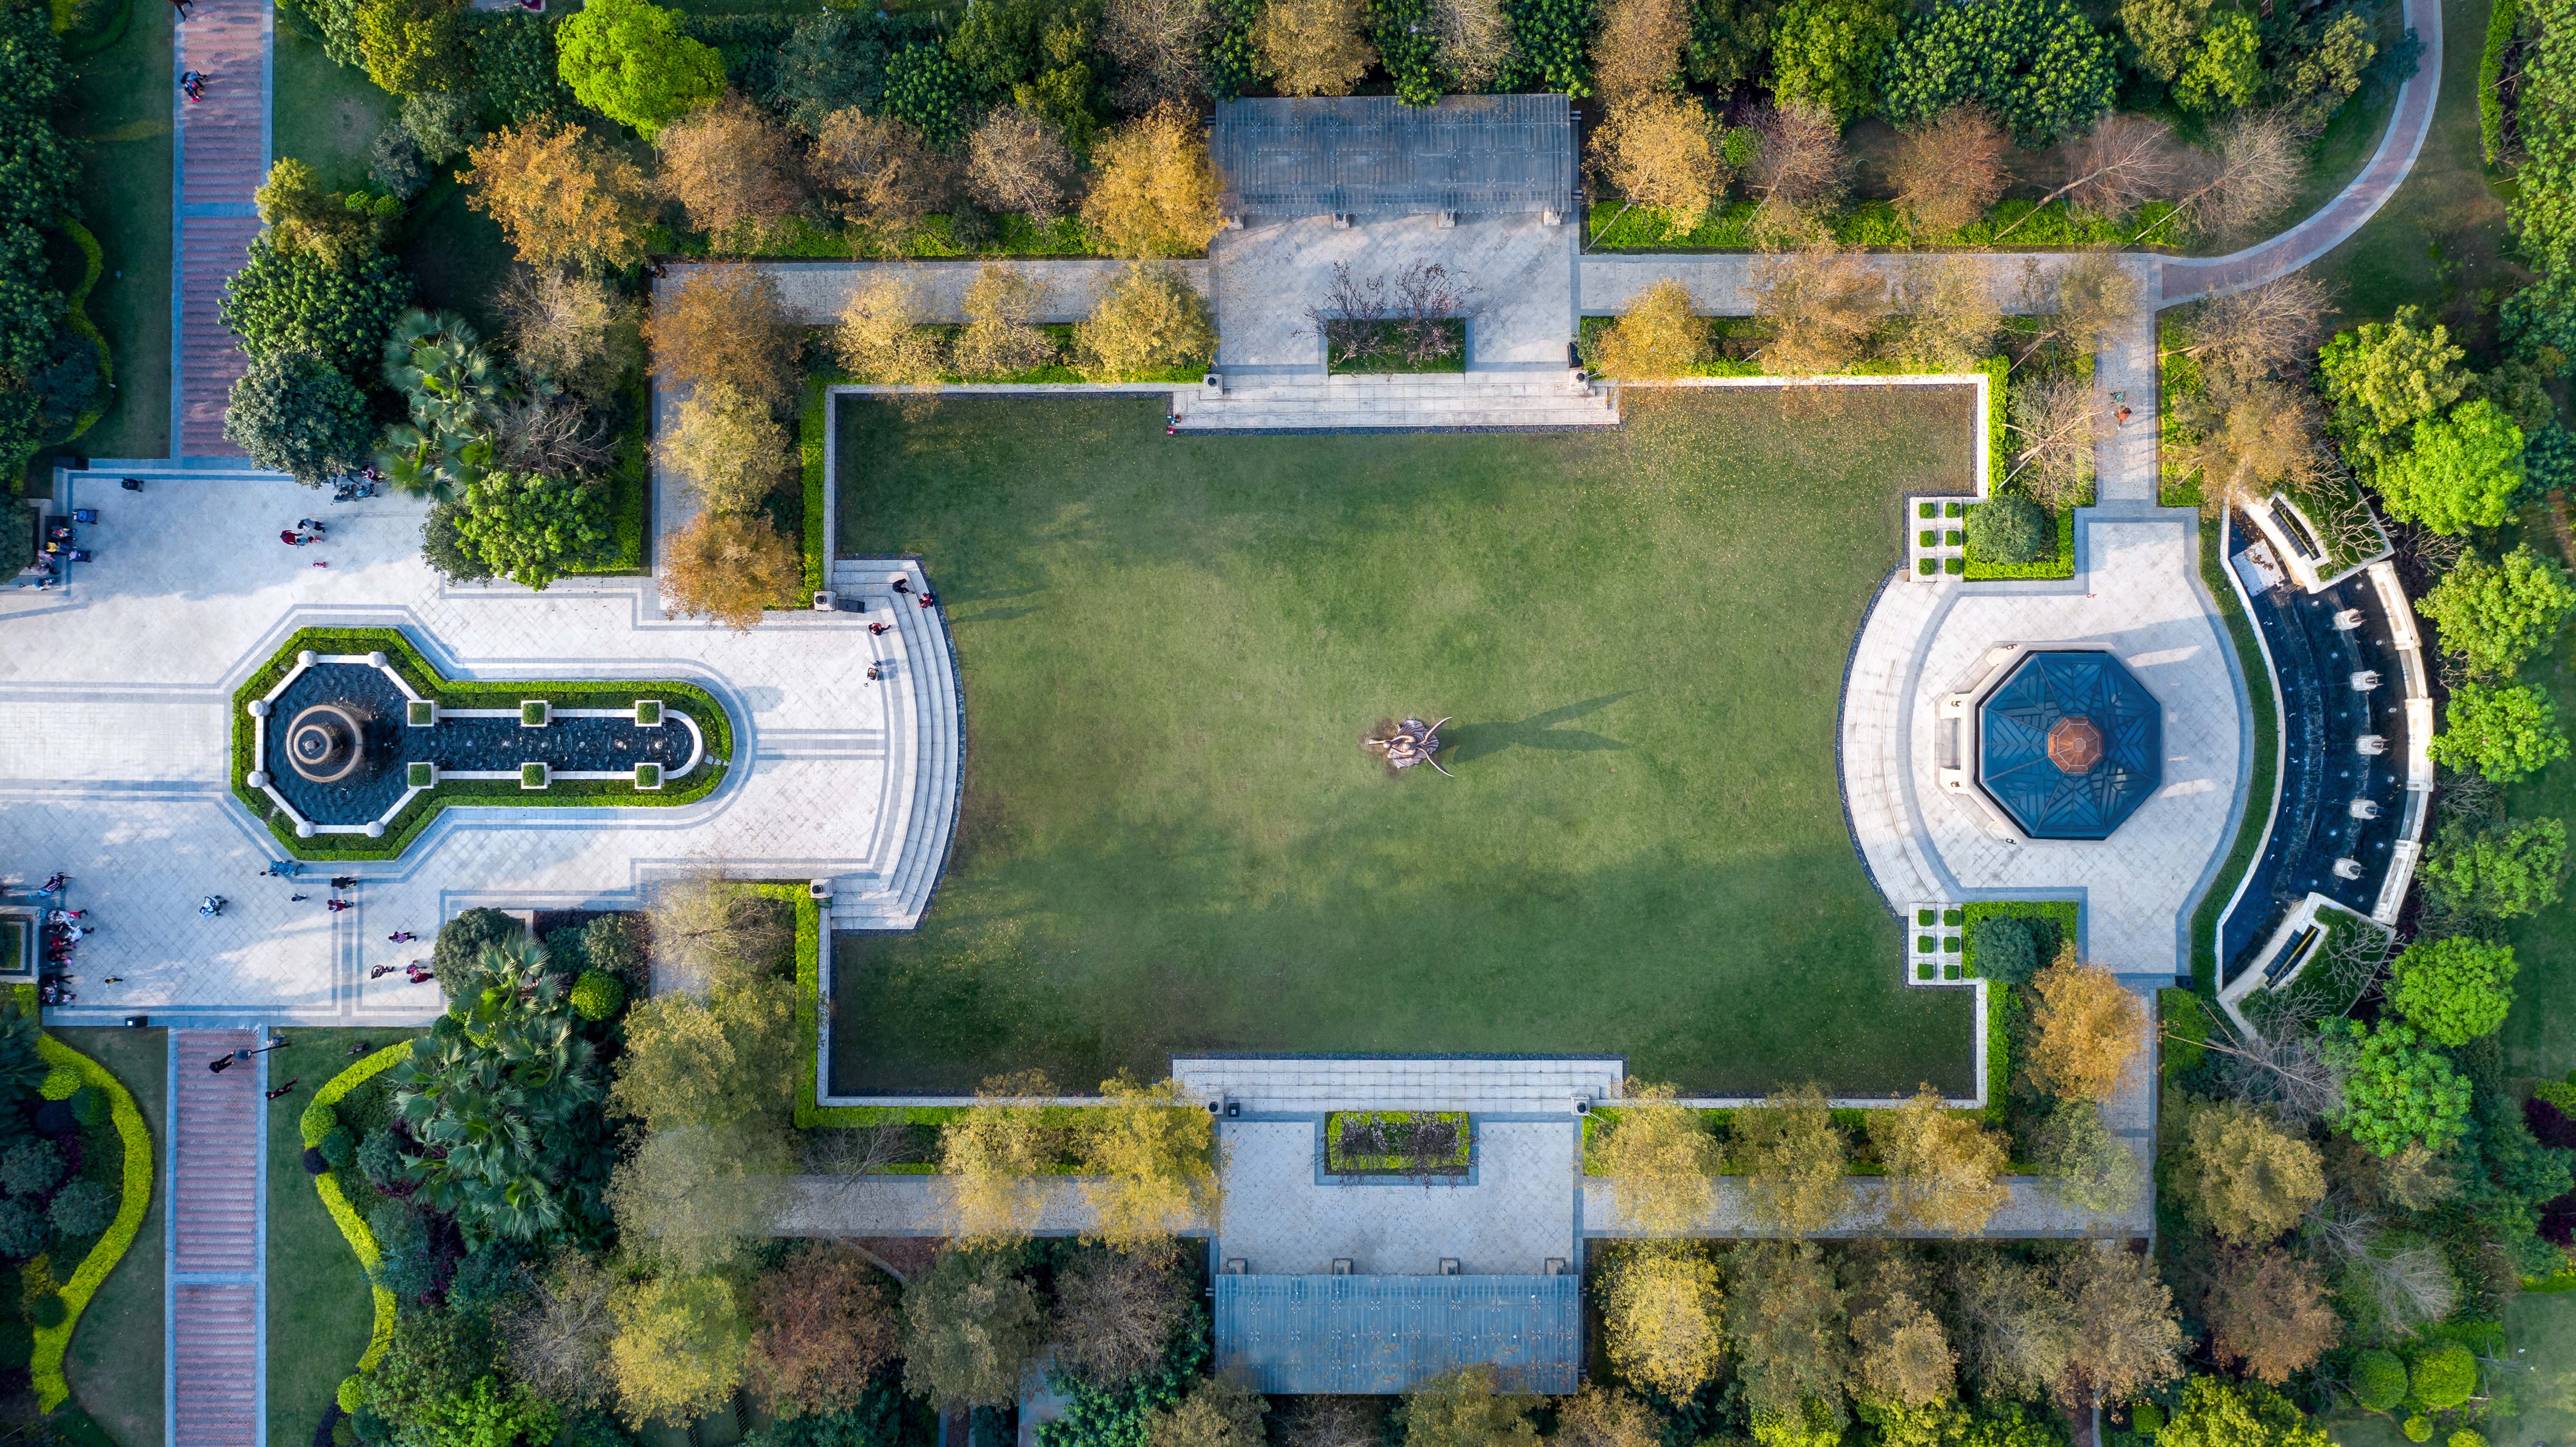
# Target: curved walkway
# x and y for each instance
(2191, 278)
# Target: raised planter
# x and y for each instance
(534, 776)
(534, 713)
(1398, 1143)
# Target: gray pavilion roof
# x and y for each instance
(1299, 1335)
(2070, 744)
(1372, 154)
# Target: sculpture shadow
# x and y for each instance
(1466, 743)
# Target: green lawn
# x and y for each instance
(120, 112)
(1171, 646)
(115, 1362)
(319, 1308)
(2439, 241)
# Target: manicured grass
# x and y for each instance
(121, 116)
(115, 1362)
(319, 1309)
(2439, 242)
(1171, 646)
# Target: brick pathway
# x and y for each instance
(217, 1169)
(222, 155)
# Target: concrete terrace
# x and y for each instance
(121, 781)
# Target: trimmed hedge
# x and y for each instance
(134, 1198)
(2059, 564)
(2502, 22)
(335, 1200)
(813, 422)
(76, 316)
(714, 725)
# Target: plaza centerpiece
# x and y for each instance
(2069, 744)
(347, 742)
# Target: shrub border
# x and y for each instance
(406, 659)
(134, 1199)
(362, 1242)
(2503, 22)
(1335, 1163)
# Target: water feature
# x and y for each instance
(338, 746)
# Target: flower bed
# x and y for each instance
(1398, 1143)
(714, 725)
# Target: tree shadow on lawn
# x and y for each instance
(1467, 743)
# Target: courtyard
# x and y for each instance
(1170, 646)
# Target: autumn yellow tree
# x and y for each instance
(1791, 1157)
(735, 172)
(726, 324)
(2089, 1029)
(1658, 336)
(1660, 149)
(2238, 1172)
(728, 447)
(1822, 302)
(1660, 1316)
(1150, 320)
(991, 1156)
(1600, 1416)
(1661, 1162)
(880, 339)
(680, 1346)
(1944, 1171)
(560, 197)
(1148, 1163)
(1156, 191)
(1314, 47)
(998, 339)
(730, 567)
(1637, 50)
(1901, 1353)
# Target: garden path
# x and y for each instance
(2189, 278)
(213, 1302)
(221, 156)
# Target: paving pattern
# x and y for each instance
(1269, 275)
(1317, 1083)
(814, 292)
(218, 1246)
(121, 781)
(221, 157)
(1516, 1212)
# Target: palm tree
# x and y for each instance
(455, 390)
(503, 1099)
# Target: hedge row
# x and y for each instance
(2502, 22)
(336, 1200)
(134, 1198)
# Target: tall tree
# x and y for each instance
(822, 1329)
(726, 324)
(1792, 1158)
(1948, 170)
(627, 60)
(1821, 302)
(729, 567)
(2089, 1030)
(1638, 49)
(2268, 1315)
(1786, 1318)
(2126, 1339)
(1155, 192)
(1660, 150)
(1658, 336)
(2495, 615)
(1944, 1171)
(1314, 47)
(1660, 1321)
(971, 1330)
(734, 172)
(1661, 1162)
(1463, 1409)
(992, 1155)
(1148, 1163)
(2238, 1173)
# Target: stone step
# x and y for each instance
(923, 738)
(1340, 419)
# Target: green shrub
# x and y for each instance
(2148, 1417)
(380, 1158)
(2038, 65)
(461, 941)
(293, 301)
(615, 943)
(2445, 1377)
(2378, 1380)
(318, 1120)
(83, 1208)
(2418, 1428)
(2006, 950)
(24, 1229)
(2468, 1437)
(59, 1083)
(1549, 41)
(2010, 529)
(293, 412)
(91, 1107)
(347, 1396)
(31, 1167)
(598, 995)
(339, 1152)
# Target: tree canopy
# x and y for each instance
(2502, 871)
(1661, 1161)
(2398, 1091)
(2037, 65)
(2463, 472)
(627, 60)
(2497, 614)
(2239, 1173)
(1660, 1316)
(2506, 734)
(2454, 990)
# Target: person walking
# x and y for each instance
(344, 881)
(928, 599)
(337, 905)
(113, 980)
(211, 905)
(874, 629)
(362, 1047)
(193, 84)
(402, 937)
(281, 1090)
(220, 1063)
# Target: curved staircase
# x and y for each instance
(925, 743)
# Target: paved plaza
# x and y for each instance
(117, 690)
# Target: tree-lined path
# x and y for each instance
(220, 157)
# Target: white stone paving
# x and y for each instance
(1518, 1212)
(2138, 595)
(118, 689)
(1268, 275)
(1431, 1082)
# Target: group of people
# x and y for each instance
(192, 83)
(306, 530)
(60, 547)
(64, 929)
